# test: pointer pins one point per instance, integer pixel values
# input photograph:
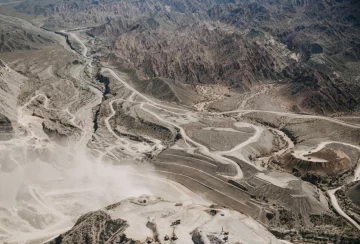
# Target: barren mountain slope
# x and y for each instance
(10, 84)
(203, 103)
(16, 34)
(311, 47)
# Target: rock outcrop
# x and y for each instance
(6, 129)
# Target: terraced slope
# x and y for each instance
(98, 120)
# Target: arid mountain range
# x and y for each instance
(179, 121)
(309, 49)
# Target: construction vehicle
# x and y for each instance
(226, 233)
(176, 222)
(174, 236)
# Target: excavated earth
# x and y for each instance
(157, 220)
(191, 118)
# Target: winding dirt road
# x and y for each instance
(218, 156)
(338, 209)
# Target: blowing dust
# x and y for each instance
(45, 188)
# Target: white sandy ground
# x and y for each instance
(278, 179)
(58, 193)
(241, 228)
(70, 184)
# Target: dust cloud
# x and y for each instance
(45, 188)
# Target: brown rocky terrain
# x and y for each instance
(202, 101)
(331, 165)
(238, 43)
(20, 35)
(349, 200)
